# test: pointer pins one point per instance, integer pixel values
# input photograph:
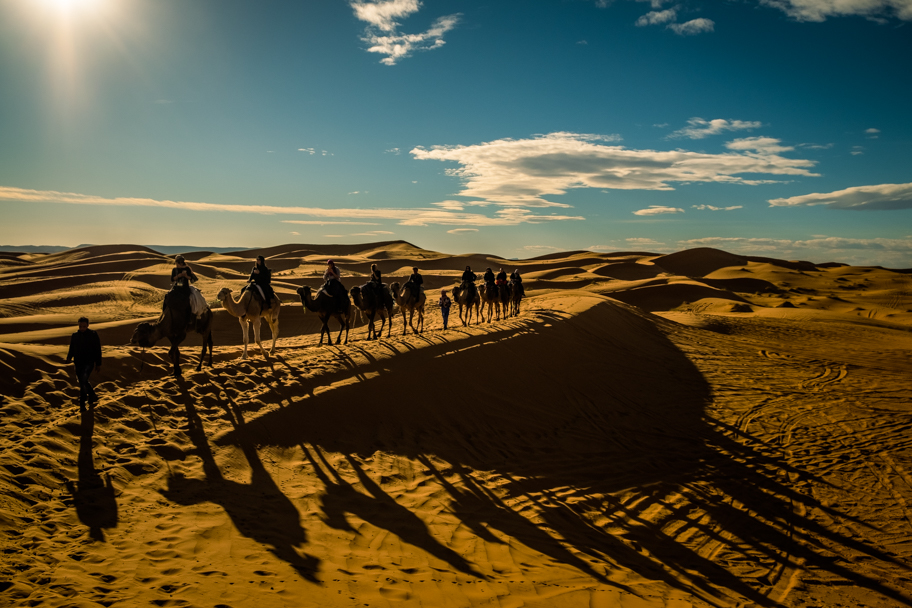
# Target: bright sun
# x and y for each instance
(74, 6)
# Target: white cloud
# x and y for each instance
(697, 128)
(816, 146)
(819, 10)
(451, 205)
(582, 42)
(692, 27)
(540, 248)
(655, 3)
(760, 145)
(383, 37)
(461, 230)
(661, 125)
(658, 210)
(657, 17)
(310, 151)
(711, 208)
(295, 233)
(372, 233)
(872, 131)
(383, 15)
(392, 151)
(355, 192)
(882, 196)
(405, 217)
(520, 173)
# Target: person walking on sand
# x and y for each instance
(445, 302)
(85, 351)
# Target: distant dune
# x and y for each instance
(693, 429)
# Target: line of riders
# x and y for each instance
(182, 277)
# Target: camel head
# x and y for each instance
(143, 335)
(355, 294)
(223, 294)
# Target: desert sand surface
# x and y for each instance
(692, 429)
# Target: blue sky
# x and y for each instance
(772, 127)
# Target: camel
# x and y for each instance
(489, 298)
(407, 301)
(176, 319)
(503, 300)
(326, 307)
(516, 296)
(249, 310)
(366, 301)
(462, 297)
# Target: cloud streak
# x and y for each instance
(820, 10)
(522, 172)
(693, 27)
(697, 128)
(658, 210)
(382, 35)
(404, 217)
(878, 197)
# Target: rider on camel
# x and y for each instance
(468, 280)
(501, 278)
(261, 276)
(517, 282)
(181, 278)
(333, 280)
(417, 281)
(489, 281)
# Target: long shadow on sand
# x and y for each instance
(259, 510)
(592, 427)
(93, 497)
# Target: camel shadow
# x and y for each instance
(93, 497)
(259, 510)
(596, 450)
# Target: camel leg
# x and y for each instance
(343, 325)
(274, 328)
(243, 322)
(174, 353)
(371, 332)
(256, 336)
(209, 342)
(420, 320)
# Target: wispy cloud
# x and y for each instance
(882, 251)
(658, 210)
(693, 27)
(405, 217)
(760, 145)
(382, 35)
(324, 223)
(520, 173)
(711, 208)
(540, 248)
(395, 151)
(872, 133)
(657, 17)
(643, 242)
(816, 146)
(461, 230)
(878, 197)
(820, 10)
(697, 128)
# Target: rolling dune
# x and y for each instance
(693, 429)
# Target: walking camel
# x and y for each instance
(503, 300)
(516, 296)
(489, 298)
(368, 302)
(327, 307)
(175, 321)
(408, 300)
(465, 297)
(250, 309)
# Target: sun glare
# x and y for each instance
(74, 6)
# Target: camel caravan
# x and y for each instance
(185, 309)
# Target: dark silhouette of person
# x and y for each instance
(417, 282)
(469, 278)
(85, 351)
(261, 276)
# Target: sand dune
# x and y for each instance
(693, 429)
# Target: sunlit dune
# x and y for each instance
(693, 429)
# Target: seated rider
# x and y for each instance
(468, 279)
(417, 282)
(489, 279)
(262, 277)
(333, 277)
(517, 281)
(181, 278)
(501, 278)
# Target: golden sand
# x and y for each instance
(695, 429)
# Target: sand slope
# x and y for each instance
(726, 450)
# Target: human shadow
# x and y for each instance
(377, 508)
(259, 510)
(93, 496)
(596, 440)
